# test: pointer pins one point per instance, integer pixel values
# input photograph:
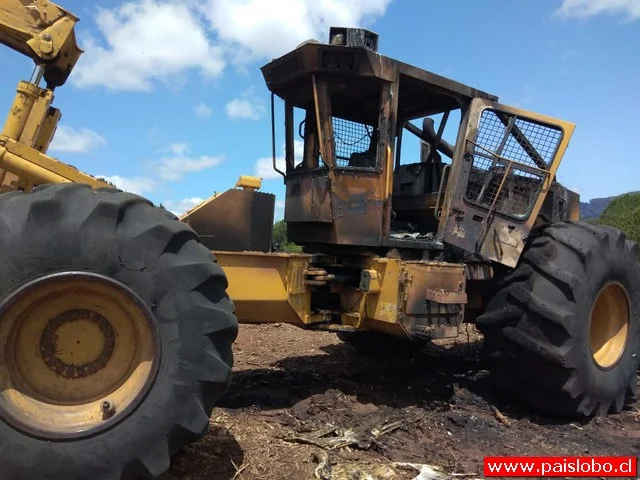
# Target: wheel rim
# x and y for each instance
(609, 325)
(80, 352)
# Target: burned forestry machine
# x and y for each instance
(117, 319)
(402, 247)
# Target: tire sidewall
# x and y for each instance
(33, 249)
(607, 268)
(537, 328)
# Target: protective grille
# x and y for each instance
(529, 145)
(353, 145)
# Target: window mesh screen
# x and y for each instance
(352, 142)
(525, 143)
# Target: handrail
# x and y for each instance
(442, 180)
(273, 135)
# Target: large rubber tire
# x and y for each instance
(537, 327)
(58, 228)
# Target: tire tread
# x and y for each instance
(532, 324)
(125, 236)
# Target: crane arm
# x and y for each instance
(44, 32)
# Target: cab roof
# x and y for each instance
(355, 75)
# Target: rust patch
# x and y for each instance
(478, 271)
(442, 283)
(440, 295)
(458, 231)
(49, 348)
(308, 199)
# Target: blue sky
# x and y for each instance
(168, 100)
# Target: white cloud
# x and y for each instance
(179, 164)
(264, 166)
(137, 185)
(254, 29)
(179, 148)
(70, 140)
(203, 110)
(145, 41)
(245, 107)
(178, 207)
(238, 109)
(630, 9)
(175, 168)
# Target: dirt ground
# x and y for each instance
(297, 394)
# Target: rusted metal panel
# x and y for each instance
(308, 199)
(348, 210)
(434, 298)
(336, 204)
(496, 225)
(478, 271)
(236, 220)
(560, 204)
(358, 209)
(447, 297)
(288, 76)
(386, 149)
(573, 206)
(358, 221)
(417, 329)
(322, 101)
(504, 242)
(424, 279)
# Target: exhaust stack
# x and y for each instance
(353, 37)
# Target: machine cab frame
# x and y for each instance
(347, 109)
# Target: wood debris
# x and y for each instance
(352, 470)
(332, 437)
(500, 416)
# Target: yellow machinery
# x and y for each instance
(117, 319)
(44, 32)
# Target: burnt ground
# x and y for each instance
(290, 384)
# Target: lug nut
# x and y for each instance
(108, 407)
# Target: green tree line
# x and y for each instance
(623, 213)
(280, 240)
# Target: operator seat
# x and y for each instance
(416, 185)
(366, 159)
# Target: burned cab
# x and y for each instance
(338, 119)
(404, 188)
(414, 196)
(352, 180)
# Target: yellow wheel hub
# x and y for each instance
(78, 351)
(609, 325)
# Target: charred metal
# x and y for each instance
(391, 242)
